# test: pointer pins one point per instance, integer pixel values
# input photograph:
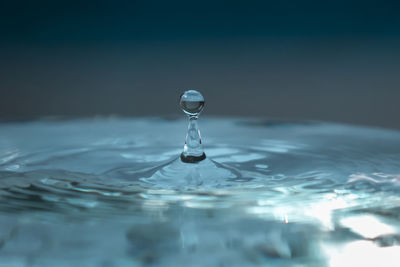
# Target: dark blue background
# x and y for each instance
(327, 60)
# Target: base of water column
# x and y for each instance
(192, 159)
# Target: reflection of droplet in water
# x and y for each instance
(192, 103)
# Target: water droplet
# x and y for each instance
(192, 103)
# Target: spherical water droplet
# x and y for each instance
(192, 102)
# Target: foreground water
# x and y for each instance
(113, 192)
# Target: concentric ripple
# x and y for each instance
(113, 192)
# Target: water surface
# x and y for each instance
(112, 192)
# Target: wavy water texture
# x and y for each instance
(113, 192)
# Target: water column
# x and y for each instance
(192, 103)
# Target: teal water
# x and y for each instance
(113, 192)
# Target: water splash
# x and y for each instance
(192, 103)
(202, 172)
(114, 192)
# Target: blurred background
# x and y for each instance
(324, 60)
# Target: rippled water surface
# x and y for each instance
(113, 192)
